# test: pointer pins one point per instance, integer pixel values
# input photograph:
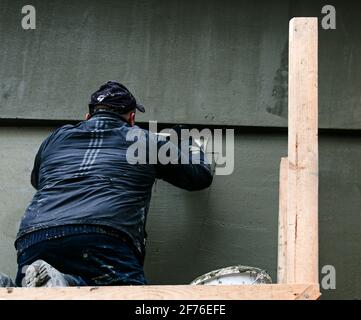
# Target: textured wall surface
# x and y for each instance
(219, 62)
(203, 62)
(233, 222)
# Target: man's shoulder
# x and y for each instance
(149, 136)
(137, 131)
(69, 127)
(59, 132)
(62, 129)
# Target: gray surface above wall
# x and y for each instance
(200, 62)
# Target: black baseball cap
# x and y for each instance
(114, 94)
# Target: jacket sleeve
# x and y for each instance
(195, 175)
(34, 179)
(35, 172)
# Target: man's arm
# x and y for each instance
(35, 172)
(196, 175)
(190, 177)
(34, 179)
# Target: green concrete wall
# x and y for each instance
(201, 62)
(233, 222)
(205, 61)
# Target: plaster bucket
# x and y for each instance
(236, 275)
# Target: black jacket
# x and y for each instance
(82, 177)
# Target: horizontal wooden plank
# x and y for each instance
(167, 292)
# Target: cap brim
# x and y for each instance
(140, 107)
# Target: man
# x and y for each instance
(86, 223)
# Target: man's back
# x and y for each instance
(83, 177)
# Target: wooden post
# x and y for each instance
(302, 204)
(282, 222)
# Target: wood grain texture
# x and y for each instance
(302, 207)
(183, 292)
(282, 223)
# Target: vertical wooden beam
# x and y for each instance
(302, 204)
(282, 222)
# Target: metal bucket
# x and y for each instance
(236, 275)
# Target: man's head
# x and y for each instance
(114, 97)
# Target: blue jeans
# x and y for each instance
(87, 260)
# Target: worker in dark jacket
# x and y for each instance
(86, 223)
